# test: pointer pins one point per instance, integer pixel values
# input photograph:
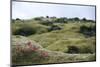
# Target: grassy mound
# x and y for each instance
(69, 35)
(27, 29)
(26, 51)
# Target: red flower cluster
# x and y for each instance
(33, 48)
(44, 54)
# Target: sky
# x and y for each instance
(27, 10)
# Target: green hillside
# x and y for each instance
(62, 40)
(24, 53)
(59, 40)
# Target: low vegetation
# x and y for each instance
(47, 39)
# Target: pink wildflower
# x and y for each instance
(44, 54)
(33, 48)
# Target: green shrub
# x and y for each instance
(87, 48)
(84, 19)
(88, 30)
(76, 19)
(61, 20)
(38, 18)
(25, 31)
(47, 23)
(28, 29)
(54, 27)
(83, 48)
(73, 49)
